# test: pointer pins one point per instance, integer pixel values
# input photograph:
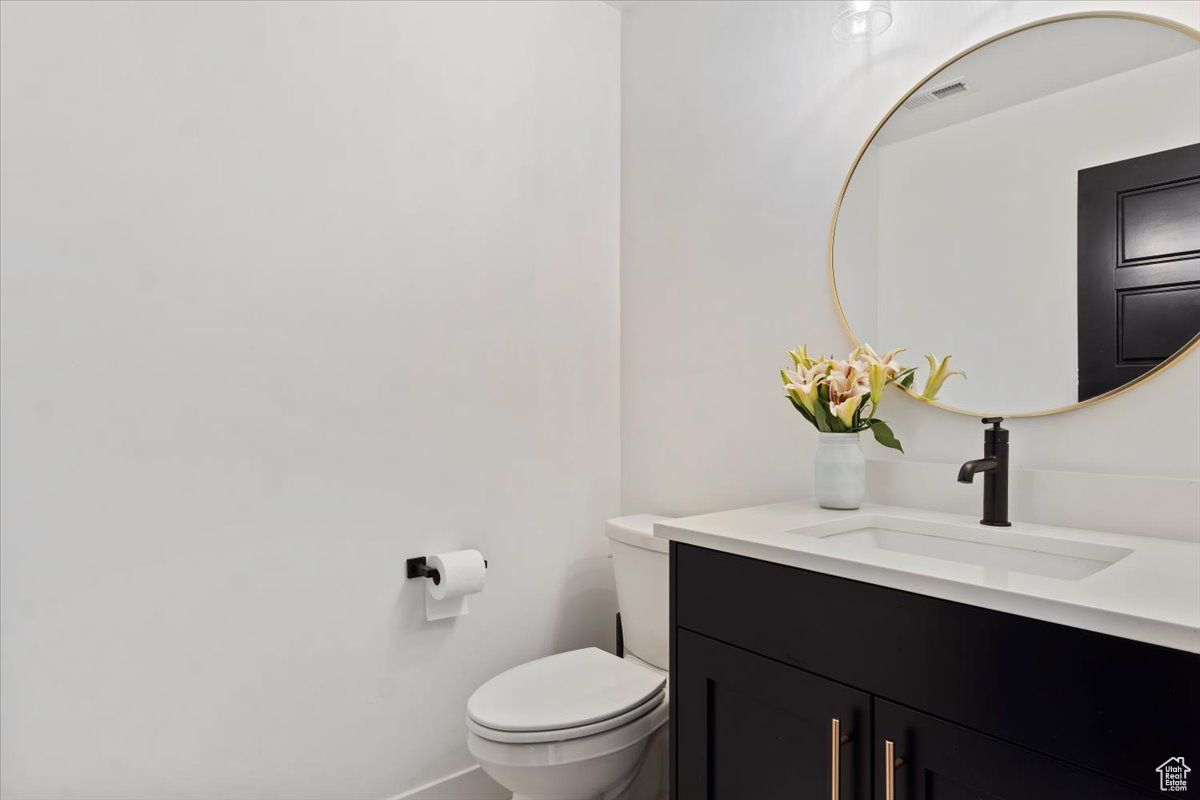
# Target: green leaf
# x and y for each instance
(884, 435)
(796, 404)
(824, 423)
(907, 380)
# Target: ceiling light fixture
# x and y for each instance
(861, 19)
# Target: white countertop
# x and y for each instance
(1151, 595)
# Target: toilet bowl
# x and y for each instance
(585, 724)
(573, 726)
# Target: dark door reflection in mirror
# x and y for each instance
(1139, 265)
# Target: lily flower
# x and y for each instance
(892, 366)
(878, 377)
(813, 373)
(846, 379)
(939, 371)
(800, 357)
(803, 384)
(845, 409)
(807, 394)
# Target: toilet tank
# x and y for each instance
(641, 567)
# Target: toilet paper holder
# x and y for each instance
(418, 568)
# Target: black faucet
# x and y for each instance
(994, 466)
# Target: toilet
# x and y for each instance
(585, 724)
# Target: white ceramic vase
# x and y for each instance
(841, 471)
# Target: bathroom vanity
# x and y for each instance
(893, 653)
(897, 654)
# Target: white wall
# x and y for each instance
(292, 291)
(739, 121)
(954, 274)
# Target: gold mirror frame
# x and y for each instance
(1175, 358)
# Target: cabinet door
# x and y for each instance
(749, 727)
(936, 760)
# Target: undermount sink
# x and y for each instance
(999, 549)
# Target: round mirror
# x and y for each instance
(1033, 208)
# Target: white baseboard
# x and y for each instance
(1166, 508)
(471, 783)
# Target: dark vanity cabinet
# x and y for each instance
(763, 729)
(942, 761)
(788, 683)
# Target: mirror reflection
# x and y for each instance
(1034, 209)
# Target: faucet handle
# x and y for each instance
(994, 434)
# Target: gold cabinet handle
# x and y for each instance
(890, 762)
(889, 770)
(836, 740)
(835, 758)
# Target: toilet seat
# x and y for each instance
(565, 696)
(565, 734)
(558, 753)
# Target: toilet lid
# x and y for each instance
(646, 712)
(563, 691)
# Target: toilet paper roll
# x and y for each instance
(462, 573)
